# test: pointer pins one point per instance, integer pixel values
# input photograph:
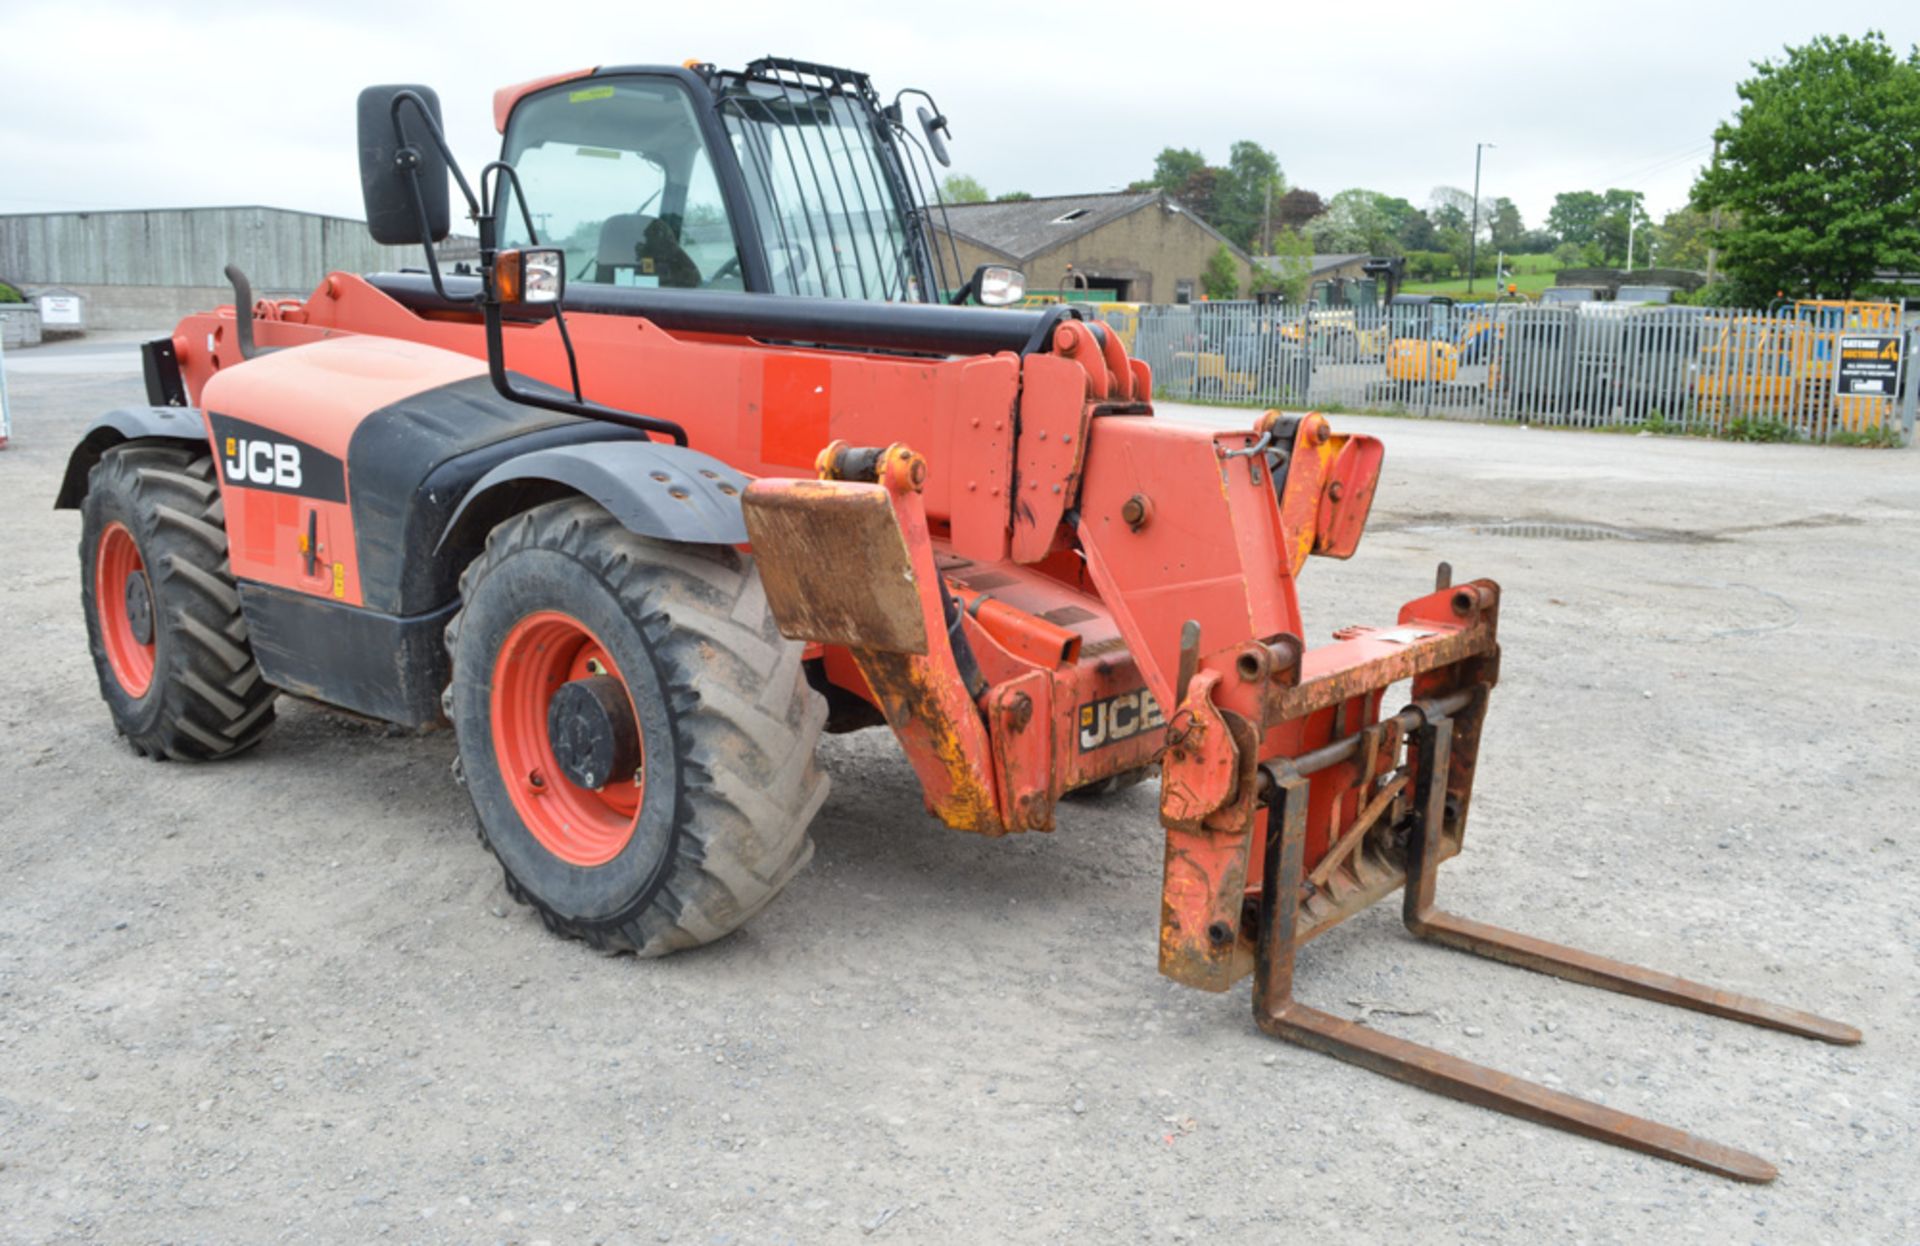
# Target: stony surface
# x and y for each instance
(287, 998)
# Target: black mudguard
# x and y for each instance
(657, 490)
(183, 424)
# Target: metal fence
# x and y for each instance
(1589, 365)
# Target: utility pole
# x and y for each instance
(1473, 230)
(1713, 221)
(1633, 201)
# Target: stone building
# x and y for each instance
(1141, 247)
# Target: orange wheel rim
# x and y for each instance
(581, 827)
(122, 593)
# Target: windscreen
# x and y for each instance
(616, 174)
(824, 191)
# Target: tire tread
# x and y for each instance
(750, 782)
(214, 702)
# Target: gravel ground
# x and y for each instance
(287, 998)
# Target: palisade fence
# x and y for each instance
(1591, 365)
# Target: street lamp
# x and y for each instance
(1473, 230)
(1633, 220)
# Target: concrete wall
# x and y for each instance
(146, 269)
(19, 325)
(1153, 249)
(161, 307)
(188, 247)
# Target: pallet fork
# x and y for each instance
(1282, 1016)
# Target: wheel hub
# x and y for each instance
(139, 600)
(592, 732)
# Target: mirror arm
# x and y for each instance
(489, 201)
(408, 158)
(497, 370)
(439, 141)
(500, 169)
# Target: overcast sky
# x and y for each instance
(160, 104)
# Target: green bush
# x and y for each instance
(1743, 429)
(10, 295)
(1431, 266)
(1885, 437)
(1221, 280)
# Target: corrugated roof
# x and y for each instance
(1024, 228)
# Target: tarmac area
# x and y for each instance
(287, 998)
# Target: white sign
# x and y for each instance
(59, 309)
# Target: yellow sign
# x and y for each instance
(339, 579)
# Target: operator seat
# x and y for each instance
(643, 246)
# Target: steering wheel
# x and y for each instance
(729, 269)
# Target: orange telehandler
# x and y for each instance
(699, 468)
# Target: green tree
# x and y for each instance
(1012, 196)
(1450, 207)
(959, 188)
(1575, 216)
(1287, 270)
(1232, 199)
(1174, 166)
(1251, 182)
(1681, 239)
(1201, 193)
(1625, 218)
(1415, 231)
(1507, 229)
(1599, 223)
(1221, 280)
(1361, 220)
(1818, 169)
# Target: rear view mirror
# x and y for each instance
(393, 164)
(935, 128)
(997, 286)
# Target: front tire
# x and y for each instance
(667, 800)
(169, 642)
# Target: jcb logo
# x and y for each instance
(1118, 718)
(255, 457)
(263, 463)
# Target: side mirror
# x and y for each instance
(535, 275)
(403, 172)
(997, 286)
(934, 126)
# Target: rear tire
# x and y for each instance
(163, 615)
(713, 820)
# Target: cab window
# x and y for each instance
(616, 173)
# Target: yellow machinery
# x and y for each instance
(1336, 334)
(1780, 366)
(1422, 351)
(1236, 353)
